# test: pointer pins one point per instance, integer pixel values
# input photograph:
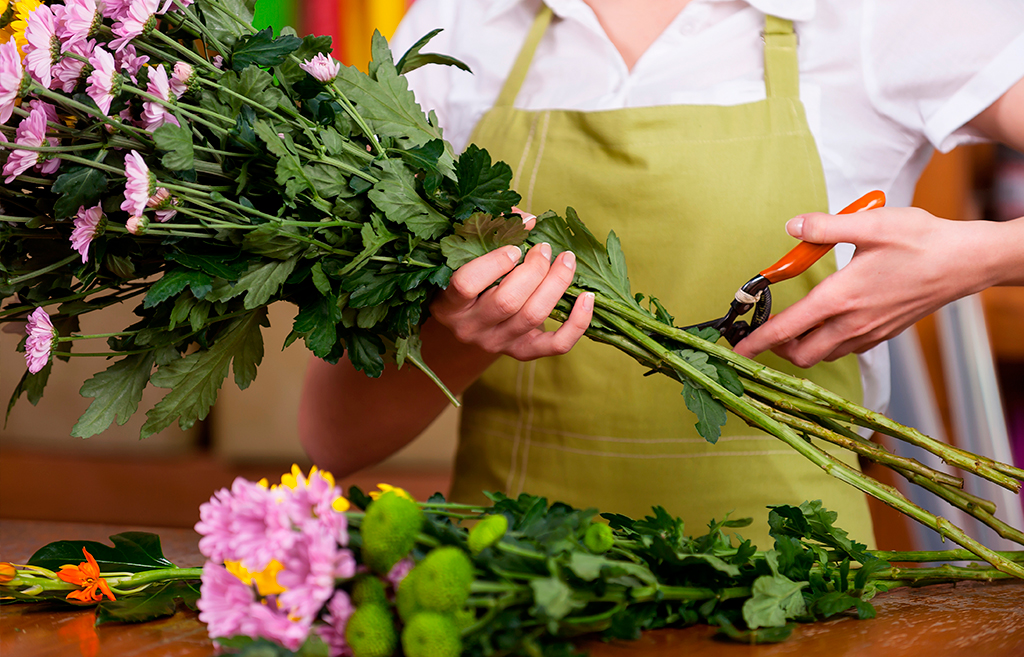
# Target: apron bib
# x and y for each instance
(698, 196)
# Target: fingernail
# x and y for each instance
(545, 250)
(514, 253)
(527, 217)
(569, 259)
(795, 226)
(588, 300)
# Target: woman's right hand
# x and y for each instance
(508, 318)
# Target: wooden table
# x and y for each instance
(970, 619)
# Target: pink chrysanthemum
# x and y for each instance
(154, 114)
(12, 75)
(31, 132)
(88, 223)
(43, 47)
(229, 608)
(217, 61)
(137, 225)
(182, 77)
(138, 16)
(399, 571)
(181, 4)
(165, 205)
(68, 70)
(79, 20)
(130, 62)
(321, 67)
(114, 9)
(139, 186)
(41, 336)
(244, 524)
(310, 568)
(104, 81)
(50, 111)
(339, 610)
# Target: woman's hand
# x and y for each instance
(908, 263)
(508, 318)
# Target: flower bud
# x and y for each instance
(137, 225)
(183, 79)
(321, 67)
(7, 572)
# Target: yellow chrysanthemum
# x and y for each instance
(387, 488)
(22, 10)
(265, 580)
(6, 33)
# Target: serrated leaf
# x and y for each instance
(131, 552)
(259, 283)
(289, 168)
(364, 352)
(262, 49)
(480, 234)
(397, 197)
(317, 323)
(195, 379)
(774, 600)
(413, 58)
(224, 18)
(176, 141)
(116, 393)
(273, 241)
(711, 415)
(553, 599)
(483, 186)
(221, 265)
(173, 282)
(80, 186)
(327, 180)
(728, 377)
(369, 288)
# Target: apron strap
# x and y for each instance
(781, 70)
(522, 65)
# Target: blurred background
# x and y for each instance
(958, 376)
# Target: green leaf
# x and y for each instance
(173, 282)
(711, 415)
(223, 18)
(221, 265)
(262, 49)
(590, 567)
(131, 552)
(327, 180)
(753, 637)
(413, 58)
(317, 323)
(80, 186)
(116, 393)
(728, 378)
(482, 186)
(364, 352)
(369, 288)
(311, 45)
(774, 600)
(195, 379)
(480, 234)
(157, 601)
(289, 168)
(259, 284)
(597, 267)
(836, 602)
(396, 196)
(273, 241)
(553, 599)
(32, 385)
(177, 142)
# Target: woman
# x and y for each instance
(694, 129)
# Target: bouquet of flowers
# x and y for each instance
(311, 572)
(166, 152)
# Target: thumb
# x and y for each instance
(821, 228)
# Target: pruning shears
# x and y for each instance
(755, 293)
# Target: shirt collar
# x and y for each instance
(795, 10)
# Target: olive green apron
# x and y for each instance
(698, 196)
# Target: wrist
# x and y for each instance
(1005, 252)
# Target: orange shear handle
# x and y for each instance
(803, 255)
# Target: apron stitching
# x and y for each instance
(526, 152)
(540, 154)
(518, 426)
(528, 431)
(614, 439)
(723, 140)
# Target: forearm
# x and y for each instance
(1008, 252)
(348, 421)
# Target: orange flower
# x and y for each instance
(86, 575)
(8, 571)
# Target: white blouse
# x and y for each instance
(884, 82)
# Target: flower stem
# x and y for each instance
(43, 270)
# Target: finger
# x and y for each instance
(539, 343)
(529, 220)
(780, 329)
(820, 228)
(537, 308)
(508, 298)
(472, 278)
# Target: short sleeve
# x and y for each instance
(933, 65)
(431, 84)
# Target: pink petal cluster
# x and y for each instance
(104, 81)
(31, 132)
(137, 225)
(321, 67)
(88, 223)
(132, 21)
(11, 76)
(68, 70)
(165, 205)
(41, 37)
(138, 188)
(339, 610)
(114, 9)
(129, 62)
(41, 336)
(154, 114)
(244, 524)
(78, 21)
(180, 3)
(181, 78)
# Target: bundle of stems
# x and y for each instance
(794, 410)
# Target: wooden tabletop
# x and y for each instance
(969, 619)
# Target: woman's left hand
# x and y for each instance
(907, 264)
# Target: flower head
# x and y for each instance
(104, 81)
(339, 610)
(137, 225)
(154, 114)
(140, 184)
(88, 224)
(31, 132)
(388, 488)
(183, 78)
(41, 336)
(86, 575)
(12, 77)
(42, 47)
(321, 67)
(8, 571)
(244, 524)
(68, 71)
(80, 19)
(137, 18)
(130, 62)
(311, 566)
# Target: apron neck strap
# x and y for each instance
(781, 71)
(522, 66)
